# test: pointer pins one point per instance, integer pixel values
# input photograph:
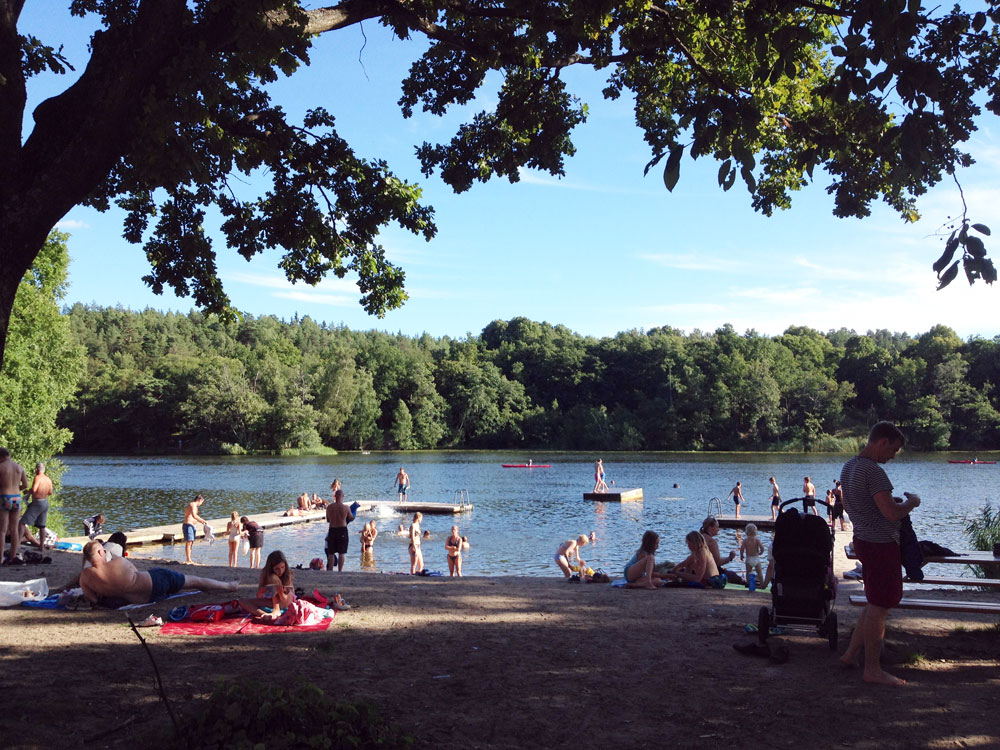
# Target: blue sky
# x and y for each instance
(600, 250)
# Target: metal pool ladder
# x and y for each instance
(462, 499)
(716, 504)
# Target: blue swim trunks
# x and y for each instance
(403, 489)
(165, 583)
(10, 502)
(189, 531)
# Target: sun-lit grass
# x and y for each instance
(915, 659)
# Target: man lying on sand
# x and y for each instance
(117, 581)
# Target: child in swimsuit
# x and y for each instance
(775, 498)
(569, 549)
(698, 570)
(368, 534)
(753, 548)
(639, 570)
(453, 545)
(234, 532)
(275, 589)
(416, 555)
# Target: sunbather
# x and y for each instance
(117, 581)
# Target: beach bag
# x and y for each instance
(206, 613)
(14, 592)
(599, 576)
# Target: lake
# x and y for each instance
(520, 516)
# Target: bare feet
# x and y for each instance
(850, 661)
(884, 678)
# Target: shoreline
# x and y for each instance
(456, 659)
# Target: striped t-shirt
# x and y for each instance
(862, 479)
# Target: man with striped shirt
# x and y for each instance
(875, 515)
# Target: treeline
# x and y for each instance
(162, 382)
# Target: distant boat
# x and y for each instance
(526, 466)
(969, 461)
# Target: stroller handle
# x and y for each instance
(802, 500)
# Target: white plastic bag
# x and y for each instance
(13, 593)
(245, 546)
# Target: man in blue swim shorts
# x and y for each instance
(190, 518)
(117, 581)
(402, 484)
(13, 481)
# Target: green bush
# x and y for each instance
(983, 532)
(255, 715)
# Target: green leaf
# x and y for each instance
(949, 276)
(987, 270)
(672, 172)
(724, 170)
(978, 21)
(749, 179)
(982, 229)
(975, 247)
(913, 6)
(730, 180)
(946, 256)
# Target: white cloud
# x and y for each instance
(692, 262)
(72, 224)
(275, 281)
(316, 298)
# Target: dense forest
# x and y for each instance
(165, 382)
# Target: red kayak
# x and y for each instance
(527, 466)
(967, 461)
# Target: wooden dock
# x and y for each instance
(764, 523)
(618, 496)
(172, 533)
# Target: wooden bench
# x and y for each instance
(965, 557)
(938, 605)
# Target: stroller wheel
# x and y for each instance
(831, 630)
(763, 624)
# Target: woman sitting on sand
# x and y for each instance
(568, 550)
(274, 590)
(698, 570)
(639, 572)
(709, 530)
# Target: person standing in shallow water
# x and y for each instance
(876, 518)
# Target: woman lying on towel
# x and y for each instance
(699, 569)
(639, 573)
(275, 589)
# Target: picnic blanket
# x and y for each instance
(303, 615)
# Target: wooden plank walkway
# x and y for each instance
(618, 496)
(172, 533)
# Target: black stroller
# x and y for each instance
(803, 588)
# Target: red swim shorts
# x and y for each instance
(883, 572)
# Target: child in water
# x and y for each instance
(568, 550)
(453, 545)
(752, 547)
(698, 570)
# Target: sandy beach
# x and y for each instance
(511, 662)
